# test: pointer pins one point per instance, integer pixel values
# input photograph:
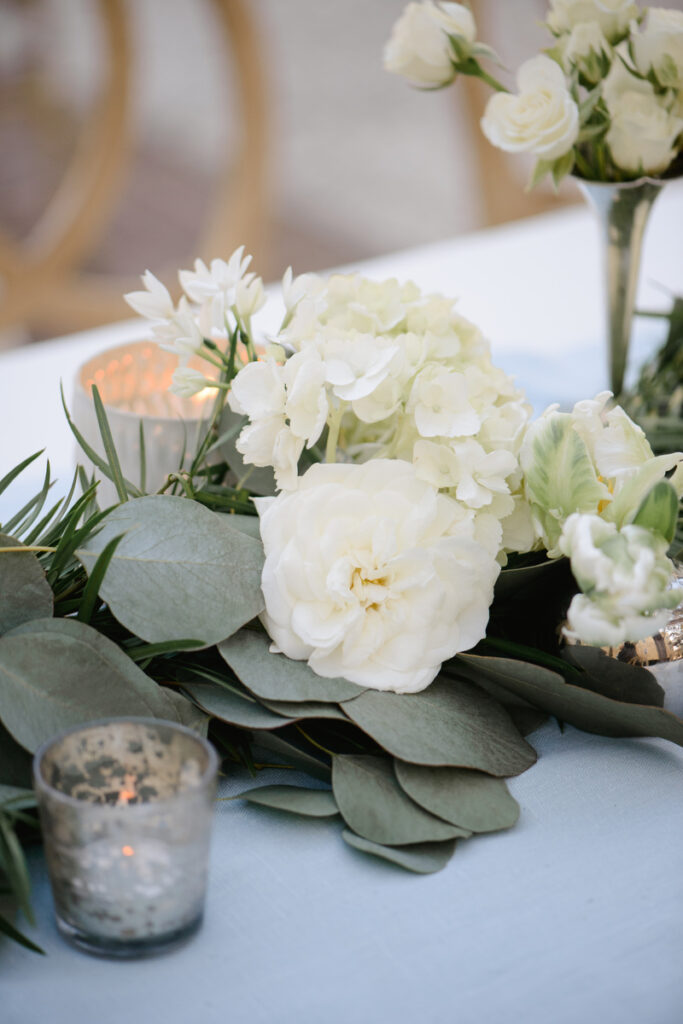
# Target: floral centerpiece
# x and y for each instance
(362, 572)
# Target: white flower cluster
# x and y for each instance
(587, 477)
(608, 97)
(216, 300)
(392, 374)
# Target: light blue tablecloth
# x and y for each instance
(574, 915)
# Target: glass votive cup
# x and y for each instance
(126, 807)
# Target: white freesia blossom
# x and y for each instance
(187, 381)
(155, 303)
(307, 405)
(542, 119)
(658, 46)
(625, 576)
(249, 297)
(258, 390)
(220, 278)
(613, 16)
(439, 401)
(294, 289)
(367, 576)
(642, 134)
(419, 47)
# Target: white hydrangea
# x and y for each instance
(390, 373)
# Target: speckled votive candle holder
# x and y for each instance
(126, 808)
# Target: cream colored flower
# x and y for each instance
(658, 46)
(613, 16)
(187, 382)
(155, 302)
(439, 401)
(642, 136)
(587, 49)
(419, 48)
(625, 576)
(542, 119)
(366, 576)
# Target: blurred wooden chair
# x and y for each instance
(43, 283)
(501, 176)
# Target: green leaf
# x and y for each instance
(229, 706)
(539, 172)
(277, 677)
(14, 473)
(8, 929)
(31, 510)
(659, 511)
(562, 167)
(92, 587)
(635, 490)
(373, 804)
(245, 524)
(96, 459)
(313, 803)
(179, 571)
(55, 673)
(579, 707)
(450, 723)
(528, 577)
(470, 799)
(312, 762)
(613, 678)
(13, 863)
(15, 762)
(302, 709)
(24, 592)
(422, 858)
(109, 446)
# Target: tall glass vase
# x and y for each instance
(622, 210)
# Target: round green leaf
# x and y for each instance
(467, 798)
(179, 571)
(306, 709)
(450, 723)
(25, 594)
(277, 677)
(228, 705)
(314, 803)
(373, 804)
(422, 858)
(55, 673)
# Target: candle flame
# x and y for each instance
(201, 396)
(128, 793)
(127, 851)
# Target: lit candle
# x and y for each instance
(126, 809)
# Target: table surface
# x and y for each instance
(575, 914)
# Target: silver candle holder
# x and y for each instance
(126, 808)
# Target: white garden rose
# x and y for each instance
(613, 16)
(543, 119)
(643, 135)
(625, 575)
(368, 575)
(419, 48)
(587, 49)
(658, 46)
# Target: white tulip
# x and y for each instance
(542, 119)
(389, 591)
(419, 47)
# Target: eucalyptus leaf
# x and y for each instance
(277, 677)
(373, 804)
(579, 707)
(306, 709)
(245, 524)
(313, 762)
(24, 591)
(56, 673)
(422, 858)
(470, 799)
(227, 705)
(612, 678)
(179, 571)
(452, 722)
(313, 803)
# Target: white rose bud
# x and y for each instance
(419, 48)
(543, 119)
(642, 135)
(586, 48)
(613, 16)
(659, 47)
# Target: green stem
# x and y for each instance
(333, 433)
(490, 80)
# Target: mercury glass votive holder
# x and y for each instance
(126, 808)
